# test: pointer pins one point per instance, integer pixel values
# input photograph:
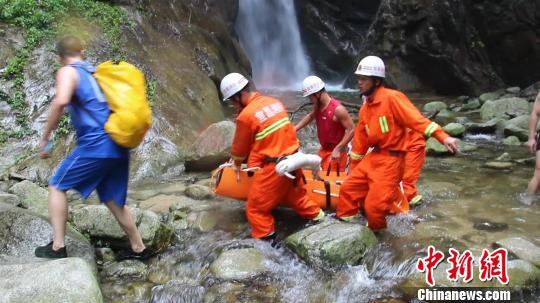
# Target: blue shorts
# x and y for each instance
(109, 176)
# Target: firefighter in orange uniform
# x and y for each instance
(382, 125)
(334, 125)
(414, 161)
(264, 132)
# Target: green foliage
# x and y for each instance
(40, 21)
(151, 91)
(64, 127)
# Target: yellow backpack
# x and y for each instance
(125, 89)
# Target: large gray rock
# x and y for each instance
(488, 127)
(522, 248)
(435, 106)
(99, 223)
(454, 129)
(21, 231)
(332, 243)
(518, 127)
(212, 147)
(198, 192)
(238, 264)
(32, 196)
(178, 291)
(62, 280)
(10, 199)
(128, 269)
(471, 105)
(490, 96)
(512, 141)
(504, 108)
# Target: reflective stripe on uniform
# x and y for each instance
(356, 156)
(272, 128)
(367, 128)
(384, 124)
(430, 129)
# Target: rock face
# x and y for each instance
(32, 196)
(183, 53)
(62, 280)
(332, 32)
(332, 243)
(456, 46)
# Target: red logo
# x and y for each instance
(429, 263)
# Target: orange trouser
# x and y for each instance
(270, 190)
(414, 161)
(372, 185)
(326, 157)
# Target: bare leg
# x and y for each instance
(58, 212)
(535, 180)
(124, 218)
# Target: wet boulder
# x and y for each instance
(61, 280)
(128, 269)
(178, 291)
(212, 147)
(490, 226)
(32, 196)
(99, 224)
(332, 243)
(505, 108)
(9, 199)
(471, 105)
(435, 106)
(159, 204)
(518, 127)
(488, 127)
(522, 248)
(490, 96)
(198, 192)
(454, 129)
(238, 264)
(500, 165)
(512, 140)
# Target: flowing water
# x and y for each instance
(458, 191)
(268, 31)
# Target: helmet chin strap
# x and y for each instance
(319, 101)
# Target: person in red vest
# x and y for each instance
(335, 128)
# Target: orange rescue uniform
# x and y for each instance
(414, 161)
(374, 181)
(264, 132)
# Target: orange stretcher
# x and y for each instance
(325, 191)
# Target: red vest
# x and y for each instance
(330, 132)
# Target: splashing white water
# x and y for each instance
(269, 32)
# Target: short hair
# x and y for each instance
(69, 46)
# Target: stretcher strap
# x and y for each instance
(329, 169)
(328, 195)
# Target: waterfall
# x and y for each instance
(268, 31)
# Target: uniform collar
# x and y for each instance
(376, 97)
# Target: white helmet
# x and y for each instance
(371, 66)
(311, 85)
(232, 84)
